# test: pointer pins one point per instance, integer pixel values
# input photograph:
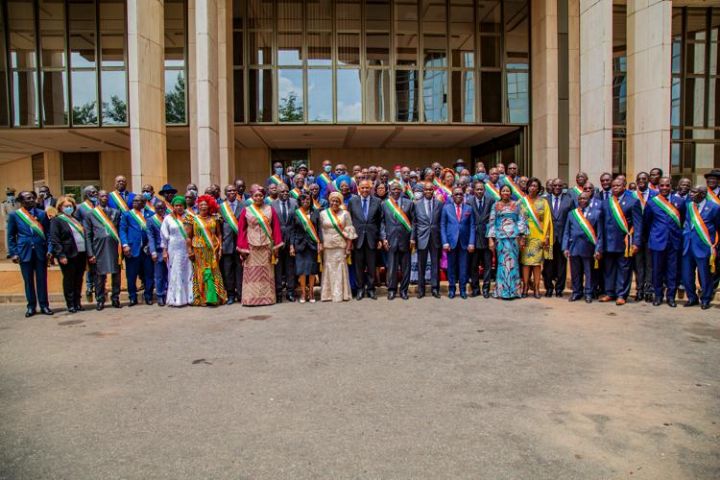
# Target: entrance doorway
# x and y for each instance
(509, 148)
(289, 158)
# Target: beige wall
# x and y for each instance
(16, 174)
(178, 163)
(113, 164)
(387, 157)
(252, 164)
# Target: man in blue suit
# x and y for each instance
(120, 199)
(554, 271)
(582, 242)
(139, 249)
(623, 236)
(457, 231)
(27, 230)
(664, 216)
(160, 267)
(701, 226)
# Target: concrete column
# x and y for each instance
(595, 87)
(545, 88)
(649, 57)
(146, 82)
(192, 93)
(206, 98)
(226, 126)
(574, 89)
(52, 166)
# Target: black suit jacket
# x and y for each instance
(367, 230)
(391, 230)
(229, 237)
(559, 217)
(482, 216)
(62, 242)
(287, 223)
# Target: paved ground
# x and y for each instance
(425, 389)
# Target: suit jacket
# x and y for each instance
(286, 224)
(454, 232)
(397, 236)
(99, 244)
(482, 216)
(229, 237)
(82, 211)
(52, 203)
(662, 229)
(154, 233)
(574, 238)
(692, 244)
(367, 230)
(614, 237)
(62, 241)
(22, 241)
(126, 195)
(300, 239)
(426, 229)
(137, 238)
(559, 217)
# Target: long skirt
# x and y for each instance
(508, 283)
(336, 278)
(258, 286)
(208, 288)
(180, 278)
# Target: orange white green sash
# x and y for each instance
(307, 225)
(180, 225)
(203, 232)
(325, 178)
(316, 204)
(295, 193)
(517, 192)
(31, 221)
(409, 192)
(668, 208)
(262, 220)
(229, 216)
(399, 214)
(585, 225)
(532, 213)
(702, 230)
(87, 206)
(277, 180)
(713, 197)
(139, 218)
(445, 190)
(336, 223)
(168, 207)
(119, 201)
(641, 198)
(494, 192)
(578, 190)
(107, 223)
(156, 220)
(435, 182)
(72, 223)
(621, 221)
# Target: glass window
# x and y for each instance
(675, 102)
(52, 33)
(260, 48)
(54, 84)
(348, 48)
(289, 13)
(319, 48)
(490, 51)
(348, 15)
(713, 102)
(517, 97)
(238, 48)
(406, 16)
(290, 95)
(260, 14)
(114, 97)
(377, 95)
(260, 94)
(290, 49)
(82, 33)
(694, 102)
(517, 46)
(319, 14)
(84, 97)
(175, 75)
(112, 33)
(349, 96)
(25, 100)
(435, 95)
(320, 102)
(406, 93)
(463, 97)
(21, 22)
(676, 54)
(435, 51)
(377, 15)
(696, 58)
(491, 97)
(488, 16)
(406, 48)
(175, 97)
(377, 47)
(238, 96)
(434, 16)
(238, 14)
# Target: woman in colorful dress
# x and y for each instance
(506, 230)
(443, 190)
(337, 233)
(203, 243)
(305, 242)
(259, 239)
(539, 240)
(173, 239)
(67, 244)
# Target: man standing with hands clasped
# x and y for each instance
(366, 213)
(582, 243)
(395, 232)
(457, 229)
(426, 235)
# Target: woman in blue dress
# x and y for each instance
(506, 230)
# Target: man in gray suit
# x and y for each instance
(482, 256)
(102, 247)
(426, 236)
(230, 263)
(285, 266)
(396, 235)
(366, 212)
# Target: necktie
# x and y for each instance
(607, 195)
(284, 211)
(457, 211)
(555, 205)
(365, 207)
(481, 203)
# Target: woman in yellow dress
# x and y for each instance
(539, 240)
(203, 243)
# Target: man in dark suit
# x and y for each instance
(366, 213)
(27, 236)
(83, 210)
(160, 268)
(396, 235)
(121, 199)
(230, 264)
(555, 271)
(426, 235)
(101, 243)
(622, 220)
(642, 259)
(285, 266)
(457, 230)
(138, 248)
(582, 241)
(482, 256)
(703, 217)
(45, 198)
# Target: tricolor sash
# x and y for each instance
(399, 214)
(31, 221)
(335, 221)
(229, 216)
(156, 220)
(307, 225)
(713, 197)
(702, 230)
(435, 183)
(139, 218)
(72, 223)
(277, 180)
(668, 208)
(87, 206)
(180, 225)
(204, 233)
(578, 190)
(149, 206)
(110, 228)
(585, 225)
(641, 198)
(621, 222)
(494, 192)
(295, 193)
(119, 201)
(445, 190)
(168, 207)
(409, 192)
(517, 192)
(532, 213)
(326, 180)
(263, 221)
(316, 204)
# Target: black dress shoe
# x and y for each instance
(148, 301)
(639, 297)
(371, 295)
(161, 302)
(79, 308)
(559, 294)
(46, 311)
(588, 299)
(649, 297)
(656, 302)
(548, 293)
(116, 304)
(451, 294)
(486, 293)
(463, 295)
(705, 306)
(100, 306)
(436, 293)
(132, 302)
(391, 295)
(420, 294)
(291, 297)
(30, 312)
(72, 309)
(671, 302)
(360, 295)
(691, 303)
(230, 300)
(574, 298)
(278, 299)
(404, 295)
(475, 293)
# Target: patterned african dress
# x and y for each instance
(507, 223)
(208, 288)
(533, 253)
(258, 287)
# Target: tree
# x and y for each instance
(85, 114)
(116, 112)
(175, 102)
(288, 111)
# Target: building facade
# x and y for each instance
(210, 90)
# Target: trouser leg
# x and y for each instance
(404, 263)
(28, 273)
(671, 273)
(80, 261)
(100, 287)
(576, 275)
(422, 267)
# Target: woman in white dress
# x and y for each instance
(173, 238)
(337, 234)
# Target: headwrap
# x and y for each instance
(444, 172)
(212, 204)
(256, 188)
(337, 195)
(343, 178)
(178, 200)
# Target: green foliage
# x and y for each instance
(289, 111)
(175, 102)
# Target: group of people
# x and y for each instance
(350, 230)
